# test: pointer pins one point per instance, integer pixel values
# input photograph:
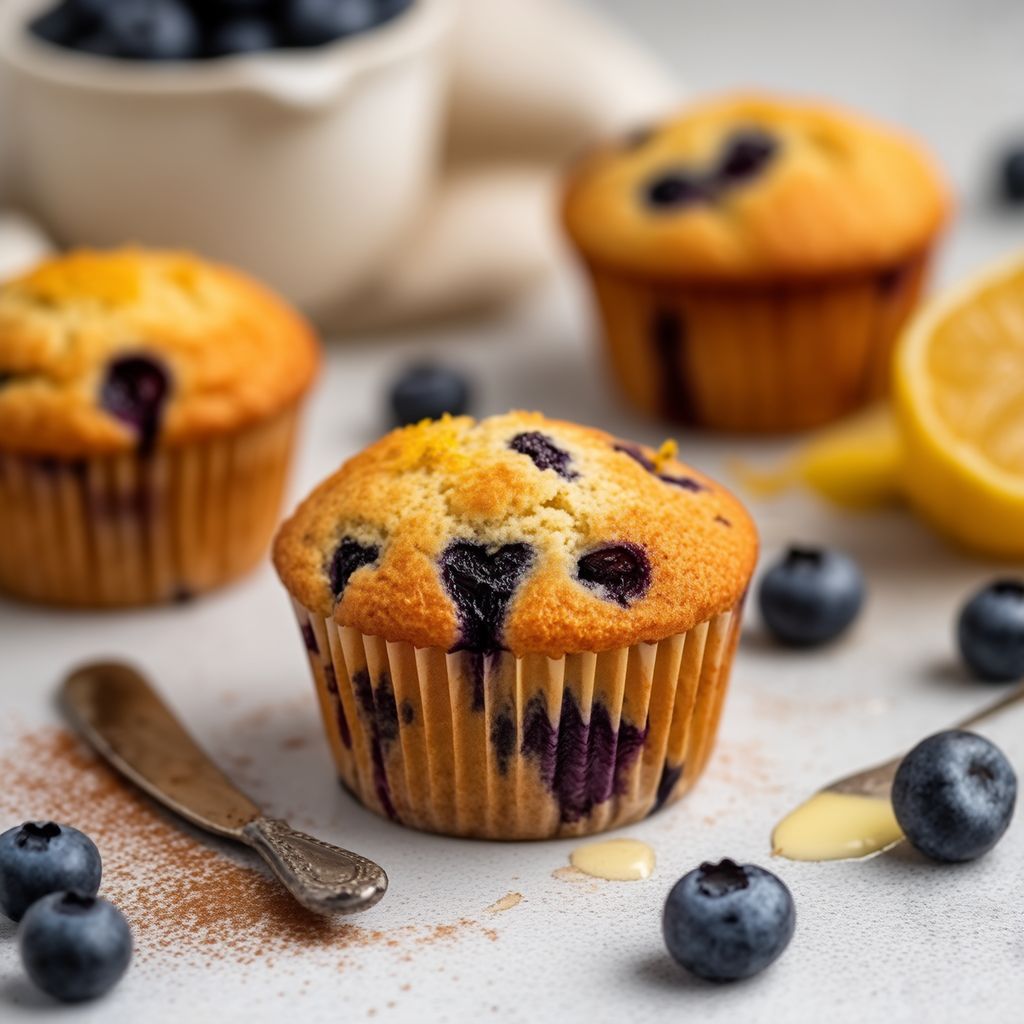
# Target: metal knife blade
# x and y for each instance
(118, 712)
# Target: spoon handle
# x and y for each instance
(322, 877)
(1008, 700)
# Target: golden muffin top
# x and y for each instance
(751, 188)
(519, 533)
(106, 352)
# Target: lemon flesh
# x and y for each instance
(959, 401)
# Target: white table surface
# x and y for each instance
(893, 938)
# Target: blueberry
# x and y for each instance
(810, 596)
(134, 391)
(544, 453)
(75, 947)
(676, 188)
(953, 795)
(151, 29)
(63, 24)
(618, 572)
(1011, 176)
(745, 154)
(242, 35)
(427, 391)
(481, 582)
(41, 857)
(391, 8)
(728, 921)
(349, 556)
(315, 22)
(990, 632)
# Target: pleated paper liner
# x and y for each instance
(761, 359)
(135, 529)
(499, 747)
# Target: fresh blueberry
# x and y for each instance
(810, 596)
(544, 453)
(746, 153)
(674, 189)
(242, 35)
(134, 391)
(41, 857)
(481, 582)
(315, 22)
(728, 921)
(954, 795)
(990, 632)
(151, 29)
(75, 947)
(427, 392)
(1011, 176)
(618, 572)
(349, 556)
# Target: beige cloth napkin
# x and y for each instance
(533, 82)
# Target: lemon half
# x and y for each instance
(959, 403)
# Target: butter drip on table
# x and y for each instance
(618, 860)
(836, 826)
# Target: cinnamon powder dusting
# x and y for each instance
(183, 896)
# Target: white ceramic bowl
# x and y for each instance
(306, 167)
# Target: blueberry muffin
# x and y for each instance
(754, 259)
(519, 628)
(148, 404)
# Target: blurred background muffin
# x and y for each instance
(148, 409)
(754, 258)
(519, 628)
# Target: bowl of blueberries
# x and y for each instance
(295, 138)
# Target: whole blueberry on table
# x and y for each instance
(990, 632)
(75, 947)
(810, 596)
(1011, 175)
(41, 857)
(315, 22)
(954, 795)
(428, 391)
(728, 921)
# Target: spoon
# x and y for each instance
(853, 817)
(113, 707)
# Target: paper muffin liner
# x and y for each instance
(499, 747)
(766, 358)
(140, 528)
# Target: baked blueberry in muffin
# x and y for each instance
(553, 609)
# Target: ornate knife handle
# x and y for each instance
(322, 877)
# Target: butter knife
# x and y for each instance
(852, 817)
(113, 707)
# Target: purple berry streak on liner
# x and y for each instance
(331, 681)
(377, 711)
(583, 764)
(670, 775)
